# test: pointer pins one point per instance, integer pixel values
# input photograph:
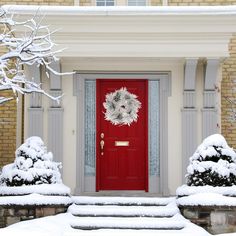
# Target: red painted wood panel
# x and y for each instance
(122, 168)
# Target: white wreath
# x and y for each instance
(121, 107)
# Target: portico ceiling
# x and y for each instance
(142, 32)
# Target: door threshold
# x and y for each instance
(120, 193)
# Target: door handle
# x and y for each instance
(102, 143)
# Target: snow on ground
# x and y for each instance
(46, 226)
(46, 189)
(59, 225)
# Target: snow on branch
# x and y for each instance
(34, 47)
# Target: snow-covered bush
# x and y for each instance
(32, 165)
(213, 163)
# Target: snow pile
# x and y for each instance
(213, 163)
(206, 199)
(44, 189)
(33, 165)
(185, 190)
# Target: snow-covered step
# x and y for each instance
(122, 211)
(122, 201)
(91, 223)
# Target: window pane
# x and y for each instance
(153, 116)
(136, 2)
(105, 2)
(90, 127)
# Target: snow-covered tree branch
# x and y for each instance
(34, 47)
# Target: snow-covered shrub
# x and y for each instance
(213, 163)
(32, 165)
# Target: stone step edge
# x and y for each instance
(118, 204)
(117, 227)
(124, 216)
(122, 201)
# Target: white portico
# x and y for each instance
(181, 48)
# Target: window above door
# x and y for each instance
(137, 2)
(105, 2)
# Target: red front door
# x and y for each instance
(122, 143)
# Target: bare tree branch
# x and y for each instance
(35, 47)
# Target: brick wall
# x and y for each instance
(85, 3)
(7, 130)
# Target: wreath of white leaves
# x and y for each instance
(121, 107)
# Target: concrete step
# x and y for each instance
(122, 211)
(137, 223)
(122, 201)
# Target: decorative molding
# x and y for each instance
(35, 111)
(33, 73)
(209, 99)
(165, 92)
(55, 133)
(35, 122)
(189, 99)
(79, 93)
(190, 74)
(55, 115)
(53, 103)
(167, 32)
(189, 114)
(189, 136)
(209, 122)
(209, 111)
(211, 75)
(55, 79)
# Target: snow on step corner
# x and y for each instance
(126, 223)
(45, 189)
(206, 199)
(35, 199)
(132, 211)
(84, 200)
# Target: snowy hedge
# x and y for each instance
(33, 165)
(213, 163)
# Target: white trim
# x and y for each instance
(164, 78)
(162, 31)
(124, 10)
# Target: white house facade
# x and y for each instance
(168, 57)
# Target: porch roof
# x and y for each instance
(156, 32)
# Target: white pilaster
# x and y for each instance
(189, 113)
(209, 111)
